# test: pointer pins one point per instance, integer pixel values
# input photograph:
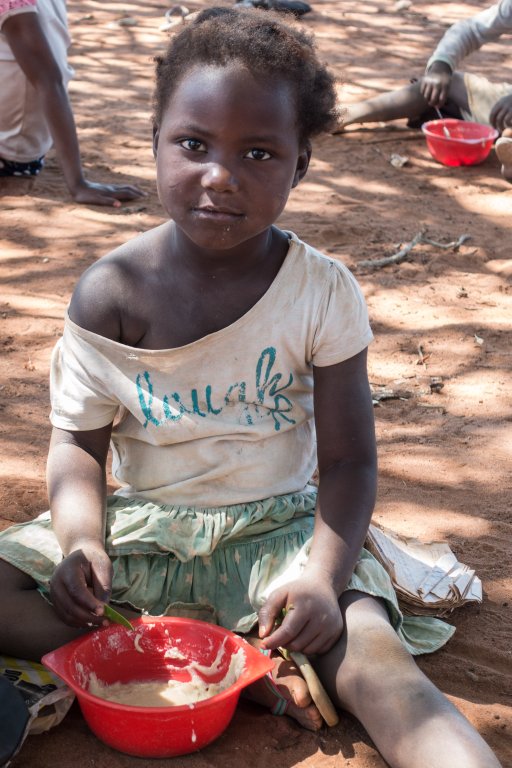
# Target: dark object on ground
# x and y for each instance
(14, 716)
(297, 7)
(447, 110)
(431, 113)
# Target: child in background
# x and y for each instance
(463, 95)
(35, 111)
(223, 358)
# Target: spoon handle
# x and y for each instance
(316, 689)
(117, 618)
(445, 129)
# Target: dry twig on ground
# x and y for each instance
(404, 252)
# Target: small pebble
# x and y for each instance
(127, 21)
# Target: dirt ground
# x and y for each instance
(445, 469)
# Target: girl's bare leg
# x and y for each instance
(371, 675)
(503, 149)
(29, 627)
(405, 102)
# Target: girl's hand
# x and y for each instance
(312, 622)
(80, 586)
(90, 193)
(435, 84)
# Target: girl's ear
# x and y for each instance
(302, 164)
(155, 140)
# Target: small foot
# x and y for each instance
(503, 149)
(285, 692)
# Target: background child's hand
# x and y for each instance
(312, 622)
(89, 192)
(501, 113)
(435, 84)
(81, 585)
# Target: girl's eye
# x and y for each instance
(258, 154)
(193, 145)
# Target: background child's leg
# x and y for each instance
(411, 722)
(29, 627)
(405, 102)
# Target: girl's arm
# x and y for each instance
(30, 47)
(76, 478)
(347, 466)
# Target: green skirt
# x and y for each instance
(217, 564)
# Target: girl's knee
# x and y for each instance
(369, 655)
(367, 625)
(375, 659)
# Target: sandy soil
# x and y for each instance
(444, 457)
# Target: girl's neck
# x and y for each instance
(264, 252)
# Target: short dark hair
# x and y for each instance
(268, 46)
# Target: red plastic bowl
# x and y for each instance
(112, 655)
(468, 143)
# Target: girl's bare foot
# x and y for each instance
(503, 149)
(285, 692)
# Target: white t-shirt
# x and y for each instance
(228, 418)
(24, 134)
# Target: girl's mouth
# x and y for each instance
(220, 214)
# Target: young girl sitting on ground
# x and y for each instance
(212, 351)
(462, 95)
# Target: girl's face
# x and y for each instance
(227, 154)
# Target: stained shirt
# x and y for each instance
(228, 418)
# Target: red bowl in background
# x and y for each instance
(467, 143)
(115, 654)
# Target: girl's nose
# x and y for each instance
(219, 177)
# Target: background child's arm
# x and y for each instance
(468, 35)
(77, 492)
(347, 486)
(33, 54)
(435, 83)
(461, 39)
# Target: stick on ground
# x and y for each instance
(404, 252)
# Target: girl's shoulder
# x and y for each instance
(114, 284)
(319, 268)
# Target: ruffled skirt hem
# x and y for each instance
(216, 564)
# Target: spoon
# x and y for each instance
(445, 129)
(116, 617)
(316, 689)
(318, 693)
